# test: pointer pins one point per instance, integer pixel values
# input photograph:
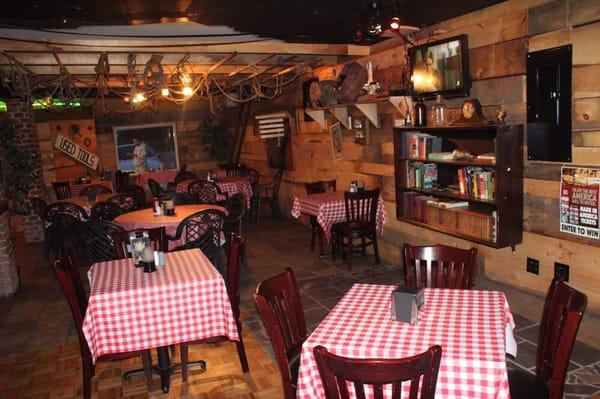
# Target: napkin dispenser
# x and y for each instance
(406, 302)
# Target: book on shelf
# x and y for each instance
(476, 182)
(488, 156)
(440, 156)
(417, 145)
(421, 175)
(449, 204)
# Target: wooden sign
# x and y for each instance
(272, 125)
(76, 152)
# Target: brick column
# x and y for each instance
(21, 114)
(9, 276)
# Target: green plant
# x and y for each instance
(18, 174)
(216, 139)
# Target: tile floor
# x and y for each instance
(38, 316)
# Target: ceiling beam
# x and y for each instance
(250, 65)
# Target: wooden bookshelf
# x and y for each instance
(504, 212)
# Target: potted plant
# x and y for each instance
(216, 139)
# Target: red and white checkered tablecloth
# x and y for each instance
(469, 325)
(183, 301)
(330, 208)
(229, 185)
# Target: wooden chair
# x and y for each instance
(202, 230)
(62, 190)
(70, 282)
(236, 253)
(121, 180)
(336, 371)
(105, 210)
(157, 237)
(125, 201)
(157, 191)
(137, 192)
(278, 303)
(316, 230)
(561, 317)
(361, 223)
(63, 220)
(96, 188)
(97, 238)
(439, 266)
(206, 192)
(270, 193)
(234, 222)
(181, 176)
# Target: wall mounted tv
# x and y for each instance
(441, 67)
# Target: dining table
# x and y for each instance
(230, 185)
(130, 310)
(330, 208)
(145, 219)
(76, 188)
(473, 327)
(87, 204)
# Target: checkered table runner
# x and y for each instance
(468, 324)
(183, 301)
(229, 185)
(330, 208)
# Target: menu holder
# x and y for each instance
(138, 240)
(406, 303)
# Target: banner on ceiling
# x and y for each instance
(78, 153)
(579, 207)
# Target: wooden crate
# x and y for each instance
(474, 224)
(432, 214)
(448, 218)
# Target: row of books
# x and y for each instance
(453, 216)
(417, 145)
(421, 175)
(476, 182)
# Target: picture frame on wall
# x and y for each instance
(336, 141)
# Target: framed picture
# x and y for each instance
(336, 141)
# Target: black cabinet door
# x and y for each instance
(549, 104)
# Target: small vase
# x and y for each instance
(420, 113)
(439, 111)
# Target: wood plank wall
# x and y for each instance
(499, 39)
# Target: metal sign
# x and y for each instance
(76, 152)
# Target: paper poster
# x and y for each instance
(336, 141)
(579, 192)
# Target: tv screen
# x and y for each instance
(441, 67)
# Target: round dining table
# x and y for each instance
(87, 204)
(145, 219)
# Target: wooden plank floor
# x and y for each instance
(56, 373)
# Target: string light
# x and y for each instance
(188, 91)
(165, 92)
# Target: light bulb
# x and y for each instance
(395, 24)
(164, 92)
(138, 98)
(187, 91)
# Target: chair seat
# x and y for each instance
(524, 385)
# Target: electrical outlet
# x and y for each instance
(561, 271)
(533, 266)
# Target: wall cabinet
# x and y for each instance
(478, 199)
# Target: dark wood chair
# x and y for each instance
(157, 237)
(236, 253)
(125, 201)
(207, 192)
(94, 188)
(202, 230)
(181, 176)
(137, 192)
(439, 266)
(63, 220)
(70, 282)
(105, 210)
(361, 223)
(278, 303)
(121, 180)
(561, 317)
(268, 192)
(62, 190)
(157, 191)
(316, 230)
(234, 222)
(97, 238)
(421, 371)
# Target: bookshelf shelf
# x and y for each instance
(494, 222)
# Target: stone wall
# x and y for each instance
(9, 276)
(21, 114)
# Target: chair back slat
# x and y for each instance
(419, 371)
(561, 318)
(157, 237)
(361, 206)
(62, 190)
(439, 266)
(278, 303)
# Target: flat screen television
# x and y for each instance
(441, 67)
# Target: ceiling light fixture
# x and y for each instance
(187, 91)
(164, 91)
